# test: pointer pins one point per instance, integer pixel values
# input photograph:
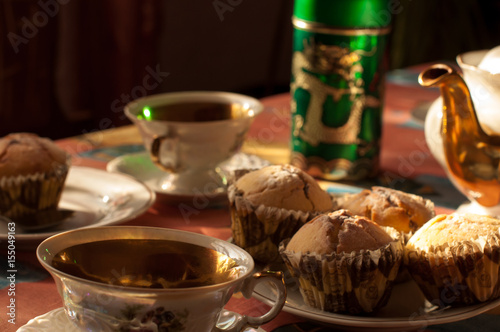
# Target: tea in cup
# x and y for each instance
(126, 278)
(189, 134)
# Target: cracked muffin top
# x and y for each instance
(389, 207)
(455, 228)
(26, 153)
(283, 186)
(338, 232)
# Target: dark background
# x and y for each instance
(68, 67)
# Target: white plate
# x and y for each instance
(57, 321)
(140, 166)
(97, 198)
(406, 310)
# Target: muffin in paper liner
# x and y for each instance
(24, 195)
(389, 207)
(270, 204)
(356, 282)
(260, 229)
(457, 273)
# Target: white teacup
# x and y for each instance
(94, 305)
(188, 134)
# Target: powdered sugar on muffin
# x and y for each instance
(340, 231)
(284, 186)
(389, 207)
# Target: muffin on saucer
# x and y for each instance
(33, 171)
(389, 207)
(455, 259)
(344, 263)
(270, 204)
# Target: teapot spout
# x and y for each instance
(457, 102)
(459, 115)
(472, 156)
(435, 74)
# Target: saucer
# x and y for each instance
(140, 166)
(90, 198)
(57, 321)
(476, 208)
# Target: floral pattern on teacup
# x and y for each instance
(155, 320)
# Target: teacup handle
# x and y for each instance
(171, 145)
(276, 277)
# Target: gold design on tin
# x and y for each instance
(298, 122)
(320, 59)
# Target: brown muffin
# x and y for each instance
(455, 259)
(32, 175)
(343, 262)
(338, 232)
(271, 204)
(389, 207)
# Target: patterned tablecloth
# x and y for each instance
(406, 164)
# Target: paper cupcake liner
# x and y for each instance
(404, 274)
(356, 282)
(24, 195)
(457, 274)
(261, 238)
(259, 230)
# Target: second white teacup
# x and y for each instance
(188, 134)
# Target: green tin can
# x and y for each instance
(337, 85)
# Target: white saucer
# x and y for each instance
(476, 208)
(140, 166)
(94, 198)
(406, 310)
(57, 321)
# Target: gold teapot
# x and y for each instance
(462, 127)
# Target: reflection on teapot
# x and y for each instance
(471, 151)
